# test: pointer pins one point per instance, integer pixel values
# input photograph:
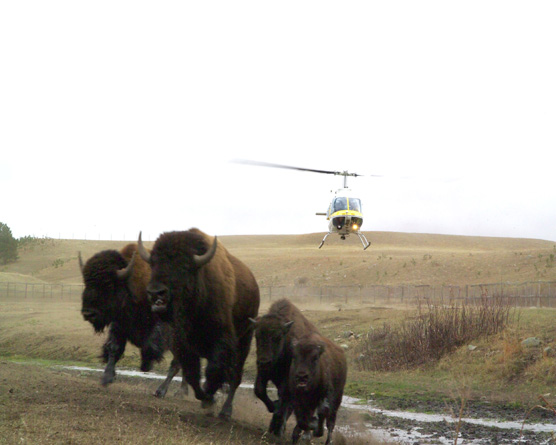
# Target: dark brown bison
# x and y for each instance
(274, 333)
(317, 379)
(209, 296)
(115, 296)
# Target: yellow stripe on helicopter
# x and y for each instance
(345, 213)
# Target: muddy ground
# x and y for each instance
(53, 405)
(49, 405)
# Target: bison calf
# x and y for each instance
(316, 382)
(274, 333)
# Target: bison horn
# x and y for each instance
(143, 253)
(125, 273)
(201, 260)
(80, 261)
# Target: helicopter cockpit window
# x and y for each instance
(340, 204)
(355, 204)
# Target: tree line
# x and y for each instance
(8, 245)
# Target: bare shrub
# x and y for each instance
(434, 332)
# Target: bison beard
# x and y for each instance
(115, 297)
(209, 296)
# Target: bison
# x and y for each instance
(317, 379)
(209, 296)
(115, 295)
(274, 333)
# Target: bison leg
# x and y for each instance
(112, 351)
(191, 366)
(330, 423)
(174, 369)
(243, 346)
(153, 349)
(184, 388)
(323, 413)
(296, 433)
(280, 417)
(222, 367)
(331, 417)
(260, 391)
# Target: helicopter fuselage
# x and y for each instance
(344, 213)
(345, 217)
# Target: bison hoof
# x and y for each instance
(160, 394)
(106, 379)
(225, 415)
(146, 366)
(207, 403)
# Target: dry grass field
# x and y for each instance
(38, 400)
(393, 258)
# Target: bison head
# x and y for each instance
(270, 337)
(305, 363)
(105, 276)
(175, 260)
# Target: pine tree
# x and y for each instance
(8, 245)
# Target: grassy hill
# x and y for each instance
(496, 375)
(393, 258)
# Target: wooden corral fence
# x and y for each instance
(528, 294)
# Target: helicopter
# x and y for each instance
(344, 212)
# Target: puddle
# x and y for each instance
(355, 404)
(393, 434)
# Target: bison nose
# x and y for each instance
(158, 296)
(301, 379)
(89, 314)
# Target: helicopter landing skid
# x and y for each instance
(324, 239)
(364, 241)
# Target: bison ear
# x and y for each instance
(320, 348)
(287, 326)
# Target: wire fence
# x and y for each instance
(527, 294)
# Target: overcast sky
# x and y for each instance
(121, 116)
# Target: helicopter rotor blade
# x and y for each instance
(289, 167)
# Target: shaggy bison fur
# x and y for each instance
(275, 332)
(317, 379)
(209, 296)
(115, 296)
